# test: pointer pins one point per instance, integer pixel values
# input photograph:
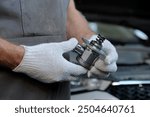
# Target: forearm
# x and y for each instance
(10, 54)
(77, 25)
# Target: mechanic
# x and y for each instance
(34, 35)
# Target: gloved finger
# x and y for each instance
(111, 58)
(69, 44)
(71, 78)
(97, 73)
(110, 51)
(101, 65)
(74, 69)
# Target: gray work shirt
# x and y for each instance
(32, 22)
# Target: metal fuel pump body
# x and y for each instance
(89, 52)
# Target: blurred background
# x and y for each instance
(127, 25)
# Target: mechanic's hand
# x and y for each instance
(102, 68)
(45, 62)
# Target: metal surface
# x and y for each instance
(89, 52)
(94, 95)
(131, 82)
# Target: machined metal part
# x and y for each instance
(89, 52)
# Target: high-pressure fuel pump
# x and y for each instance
(89, 52)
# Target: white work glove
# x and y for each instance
(102, 68)
(45, 62)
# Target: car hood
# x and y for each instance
(132, 13)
